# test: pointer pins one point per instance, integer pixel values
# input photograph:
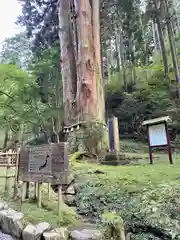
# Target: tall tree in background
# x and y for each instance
(172, 45)
(16, 50)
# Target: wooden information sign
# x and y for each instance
(158, 135)
(40, 160)
(44, 163)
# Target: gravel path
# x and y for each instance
(5, 236)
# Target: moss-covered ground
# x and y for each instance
(145, 196)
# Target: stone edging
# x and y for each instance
(11, 223)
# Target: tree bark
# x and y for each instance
(68, 68)
(163, 49)
(172, 47)
(95, 8)
(109, 60)
(118, 54)
(85, 57)
(5, 138)
(154, 36)
(132, 56)
(86, 65)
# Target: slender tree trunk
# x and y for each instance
(158, 38)
(108, 53)
(5, 138)
(163, 49)
(172, 47)
(133, 60)
(175, 6)
(154, 36)
(118, 48)
(123, 59)
(118, 65)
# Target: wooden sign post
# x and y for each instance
(113, 132)
(44, 164)
(158, 135)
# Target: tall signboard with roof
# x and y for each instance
(158, 135)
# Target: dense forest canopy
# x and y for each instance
(140, 44)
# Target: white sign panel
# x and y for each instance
(157, 135)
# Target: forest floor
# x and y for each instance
(146, 196)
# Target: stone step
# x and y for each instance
(4, 236)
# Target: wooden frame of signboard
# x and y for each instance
(158, 135)
(46, 163)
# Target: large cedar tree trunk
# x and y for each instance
(68, 68)
(85, 68)
(97, 49)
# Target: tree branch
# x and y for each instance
(11, 107)
(6, 94)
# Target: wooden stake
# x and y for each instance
(49, 191)
(23, 192)
(60, 200)
(15, 195)
(39, 195)
(149, 147)
(27, 190)
(168, 144)
(8, 168)
(35, 191)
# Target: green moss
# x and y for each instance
(48, 212)
(73, 157)
(145, 196)
(113, 226)
(91, 137)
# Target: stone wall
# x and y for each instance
(12, 227)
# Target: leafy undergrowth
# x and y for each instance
(146, 196)
(132, 146)
(48, 212)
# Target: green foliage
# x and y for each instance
(113, 226)
(15, 93)
(40, 20)
(20, 103)
(46, 69)
(150, 98)
(91, 137)
(146, 197)
(16, 50)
